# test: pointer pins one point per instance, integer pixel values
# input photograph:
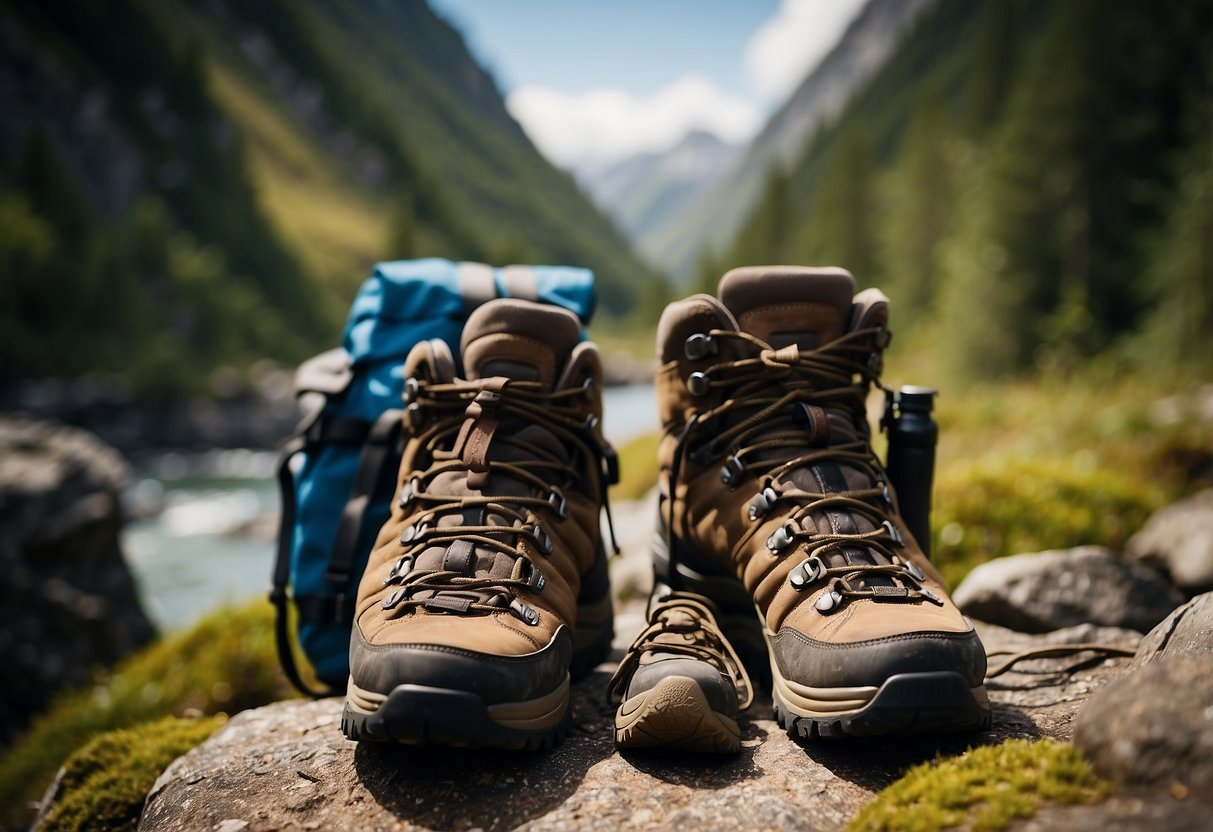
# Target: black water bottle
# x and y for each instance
(911, 459)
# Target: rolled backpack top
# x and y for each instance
(337, 473)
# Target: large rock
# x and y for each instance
(68, 598)
(1035, 593)
(286, 766)
(1188, 631)
(1179, 540)
(1154, 727)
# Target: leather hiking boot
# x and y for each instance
(681, 683)
(489, 582)
(772, 499)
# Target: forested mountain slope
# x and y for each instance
(1029, 181)
(184, 185)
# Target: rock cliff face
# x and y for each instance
(67, 598)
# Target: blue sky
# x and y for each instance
(593, 81)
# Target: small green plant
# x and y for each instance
(105, 782)
(983, 790)
(226, 663)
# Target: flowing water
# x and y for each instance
(209, 520)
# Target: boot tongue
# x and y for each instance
(520, 340)
(786, 305)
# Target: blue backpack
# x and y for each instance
(337, 474)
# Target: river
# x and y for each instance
(206, 537)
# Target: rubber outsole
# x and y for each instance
(417, 715)
(420, 715)
(675, 713)
(908, 703)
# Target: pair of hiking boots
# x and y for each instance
(487, 590)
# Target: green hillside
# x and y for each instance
(184, 186)
(1029, 181)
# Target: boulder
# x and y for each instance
(1178, 540)
(1153, 727)
(68, 597)
(1035, 593)
(1188, 631)
(287, 766)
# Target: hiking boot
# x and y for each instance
(680, 681)
(772, 499)
(489, 583)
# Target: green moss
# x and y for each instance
(226, 663)
(1011, 505)
(105, 782)
(637, 467)
(983, 790)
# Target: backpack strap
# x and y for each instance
(378, 453)
(520, 282)
(476, 284)
(282, 569)
(325, 375)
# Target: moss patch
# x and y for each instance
(1006, 506)
(637, 467)
(983, 790)
(226, 663)
(104, 783)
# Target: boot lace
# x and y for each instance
(772, 419)
(454, 425)
(682, 624)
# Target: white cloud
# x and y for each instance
(588, 129)
(789, 45)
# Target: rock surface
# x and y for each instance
(1188, 631)
(1035, 593)
(68, 598)
(1154, 727)
(1178, 539)
(287, 766)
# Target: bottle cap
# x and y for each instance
(917, 399)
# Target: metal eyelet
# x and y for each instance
(782, 538)
(915, 571)
(698, 384)
(699, 346)
(413, 532)
(828, 602)
(535, 579)
(394, 599)
(762, 502)
(528, 614)
(559, 505)
(731, 472)
(408, 492)
(894, 533)
(806, 573)
(411, 388)
(401, 568)
(886, 494)
(543, 541)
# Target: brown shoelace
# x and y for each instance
(456, 423)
